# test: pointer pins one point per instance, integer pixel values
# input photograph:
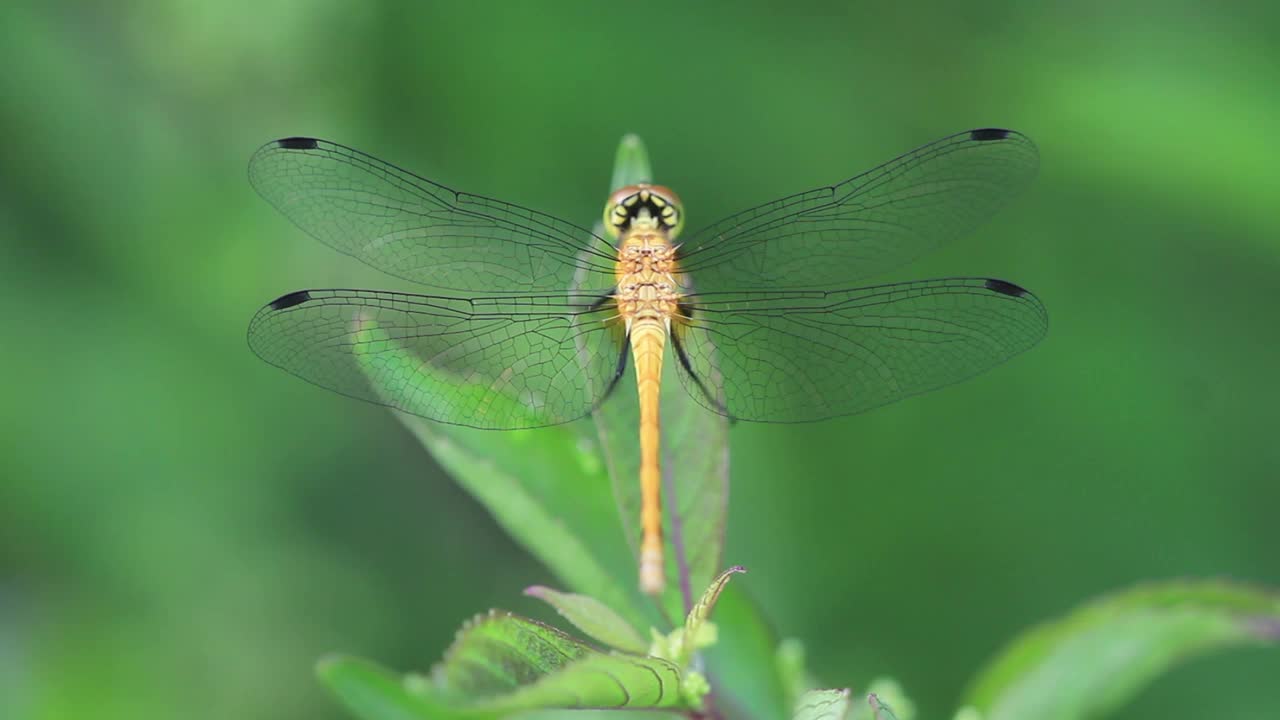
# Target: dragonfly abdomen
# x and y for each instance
(648, 337)
(647, 299)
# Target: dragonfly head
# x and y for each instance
(653, 205)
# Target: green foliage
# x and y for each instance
(1082, 666)
(838, 705)
(539, 487)
(885, 701)
(501, 663)
(592, 617)
(551, 494)
(504, 663)
(1089, 663)
(822, 705)
(372, 693)
(631, 164)
(880, 710)
(697, 633)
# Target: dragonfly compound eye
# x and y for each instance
(658, 206)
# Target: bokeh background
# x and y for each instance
(183, 529)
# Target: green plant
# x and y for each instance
(549, 489)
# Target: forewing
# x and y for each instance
(868, 224)
(497, 363)
(415, 229)
(797, 356)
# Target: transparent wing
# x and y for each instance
(419, 230)
(797, 356)
(487, 362)
(871, 223)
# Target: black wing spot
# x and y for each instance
(1005, 288)
(987, 134)
(287, 301)
(297, 143)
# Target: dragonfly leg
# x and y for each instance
(622, 369)
(683, 357)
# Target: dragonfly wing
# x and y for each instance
(487, 362)
(415, 229)
(797, 356)
(868, 224)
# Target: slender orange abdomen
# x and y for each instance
(648, 337)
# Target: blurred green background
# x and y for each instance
(184, 529)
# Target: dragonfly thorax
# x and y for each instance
(646, 285)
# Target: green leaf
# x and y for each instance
(1093, 660)
(501, 664)
(680, 644)
(600, 715)
(791, 669)
(373, 693)
(546, 487)
(630, 163)
(701, 612)
(885, 701)
(837, 705)
(594, 618)
(822, 705)
(741, 663)
(879, 709)
(504, 663)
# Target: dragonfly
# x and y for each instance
(528, 320)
